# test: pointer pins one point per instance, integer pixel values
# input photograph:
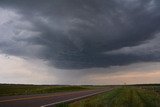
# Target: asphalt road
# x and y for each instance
(46, 100)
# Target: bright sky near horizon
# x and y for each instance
(79, 41)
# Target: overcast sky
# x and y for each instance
(79, 41)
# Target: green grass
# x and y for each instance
(12, 89)
(121, 97)
(155, 88)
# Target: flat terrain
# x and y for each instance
(38, 100)
(13, 89)
(79, 96)
(121, 97)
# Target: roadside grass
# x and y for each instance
(150, 98)
(155, 88)
(120, 97)
(10, 89)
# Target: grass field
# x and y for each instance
(155, 88)
(12, 89)
(125, 96)
(121, 97)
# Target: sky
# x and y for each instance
(79, 41)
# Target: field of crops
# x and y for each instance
(12, 89)
(121, 97)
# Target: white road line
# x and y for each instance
(73, 99)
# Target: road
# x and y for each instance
(47, 100)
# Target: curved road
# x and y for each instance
(47, 100)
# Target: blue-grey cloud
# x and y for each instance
(77, 34)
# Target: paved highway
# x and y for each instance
(46, 100)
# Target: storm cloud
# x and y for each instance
(78, 34)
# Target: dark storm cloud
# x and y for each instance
(77, 33)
